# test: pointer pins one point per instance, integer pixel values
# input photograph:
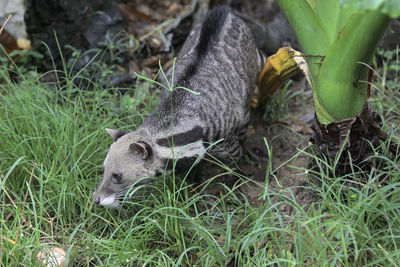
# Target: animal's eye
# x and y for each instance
(116, 178)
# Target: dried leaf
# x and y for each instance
(300, 127)
(132, 14)
(133, 67)
(302, 64)
(172, 8)
(308, 117)
(8, 41)
(277, 69)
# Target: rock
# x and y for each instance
(52, 257)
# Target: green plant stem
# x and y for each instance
(315, 47)
(340, 90)
(336, 40)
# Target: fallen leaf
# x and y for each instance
(132, 14)
(302, 64)
(300, 127)
(277, 69)
(8, 41)
(133, 67)
(153, 61)
(172, 8)
(308, 117)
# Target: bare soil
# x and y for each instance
(286, 138)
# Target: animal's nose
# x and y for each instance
(97, 200)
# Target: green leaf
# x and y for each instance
(338, 39)
(303, 16)
(341, 83)
(328, 13)
(387, 7)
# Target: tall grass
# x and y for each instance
(51, 151)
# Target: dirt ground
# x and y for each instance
(286, 137)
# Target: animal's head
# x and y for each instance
(131, 160)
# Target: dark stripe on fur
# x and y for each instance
(182, 139)
(210, 29)
(181, 165)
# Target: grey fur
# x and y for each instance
(220, 61)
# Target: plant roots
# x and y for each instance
(349, 142)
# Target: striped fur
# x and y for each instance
(220, 61)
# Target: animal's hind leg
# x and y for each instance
(232, 146)
(235, 148)
(243, 128)
(229, 151)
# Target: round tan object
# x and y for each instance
(52, 257)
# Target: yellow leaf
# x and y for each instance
(24, 44)
(278, 68)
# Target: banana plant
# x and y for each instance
(338, 40)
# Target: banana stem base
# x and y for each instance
(348, 142)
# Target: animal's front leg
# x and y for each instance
(229, 151)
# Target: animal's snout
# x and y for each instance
(100, 199)
(97, 200)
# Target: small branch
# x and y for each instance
(2, 27)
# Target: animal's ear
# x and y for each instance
(141, 148)
(115, 134)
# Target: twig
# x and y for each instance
(2, 27)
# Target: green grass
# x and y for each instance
(52, 146)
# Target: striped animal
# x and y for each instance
(220, 61)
